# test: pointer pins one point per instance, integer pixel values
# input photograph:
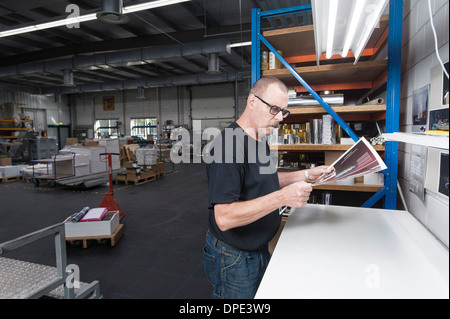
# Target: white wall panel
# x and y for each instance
(418, 59)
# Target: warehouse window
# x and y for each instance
(107, 128)
(144, 127)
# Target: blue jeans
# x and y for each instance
(234, 274)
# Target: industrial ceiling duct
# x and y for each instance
(213, 63)
(68, 78)
(112, 12)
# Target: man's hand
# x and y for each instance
(296, 194)
(315, 172)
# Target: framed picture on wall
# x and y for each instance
(438, 119)
(108, 103)
(420, 108)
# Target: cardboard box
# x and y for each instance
(89, 143)
(5, 161)
(347, 141)
(71, 141)
(129, 164)
(97, 163)
(160, 167)
(374, 179)
(86, 229)
(133, 173)
(332, 156)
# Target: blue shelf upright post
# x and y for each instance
(256, 45)
(393, 100)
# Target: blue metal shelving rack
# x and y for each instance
(389, 190)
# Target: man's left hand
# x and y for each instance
(315, 172)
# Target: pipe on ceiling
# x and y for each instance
(120, 58)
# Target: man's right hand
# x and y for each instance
(296, 194)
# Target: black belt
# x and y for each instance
(265, 247)
(221, 243)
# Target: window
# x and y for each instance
(107, 128)
(144, 127)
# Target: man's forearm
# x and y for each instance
(287, 178)
(239, 214)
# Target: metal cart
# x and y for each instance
(26, 280)
(61, 170)
(58, 168)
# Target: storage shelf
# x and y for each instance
(354, 113)
(298, 45)
(423, 139)
(365, 108)
(16, 128)
(367, 72)
(19, 121)
(316, 147)
(357, 187)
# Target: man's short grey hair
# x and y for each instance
(263, 83)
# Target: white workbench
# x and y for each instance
(351, 252)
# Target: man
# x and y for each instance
(245, 195)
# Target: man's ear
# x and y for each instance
(251, 100)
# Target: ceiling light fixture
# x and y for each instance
(151, 5)
(68, 78)
(87, 17)
(354, 21)
(240, 44)
(344, 25)
(213, 63)
(332, 15)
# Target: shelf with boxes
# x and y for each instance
(296, 45)
(321, 147)
(9, 126)
(303, 120)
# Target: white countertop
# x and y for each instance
(351, 252)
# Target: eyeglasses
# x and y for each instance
(274, 110)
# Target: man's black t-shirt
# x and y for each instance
(241, 172)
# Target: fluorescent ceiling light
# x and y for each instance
(343, 25)
(150, 5)
(87, 17)
(332, 15)
(240, 44)
(354, 22)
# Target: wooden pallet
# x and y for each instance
(114, 237)
(9, 179)
(160, 174)
(140, 180)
